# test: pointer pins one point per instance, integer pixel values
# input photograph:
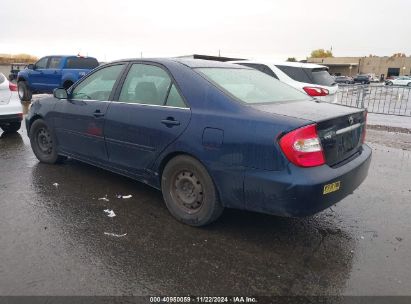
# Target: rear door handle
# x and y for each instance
(98, 114)
(170, 122)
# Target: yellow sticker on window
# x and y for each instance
(332, 187)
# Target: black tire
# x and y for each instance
(189, 192)
(11, 127)
(409, 84)
(24, 91)
(67, 84)
(389, 83)
(43, 143)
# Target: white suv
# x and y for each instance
(11, 113)
(309, 78)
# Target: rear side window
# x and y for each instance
(145, 84)
(2, 78)
(174, 98)
(81, 63)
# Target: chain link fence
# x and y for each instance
(392, 100)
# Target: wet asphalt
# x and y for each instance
(57, 240)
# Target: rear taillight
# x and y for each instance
(316, 91)
(364, 130)
(12, 87)
(302, 147)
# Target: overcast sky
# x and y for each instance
(109, 29)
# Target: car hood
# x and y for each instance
(307, 109)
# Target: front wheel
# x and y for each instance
(11, 127)
(43, 143)
(189, 192)
(24, 91)
(409, 84)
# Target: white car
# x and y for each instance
(309, 78)
(402, 80)
(11, 113)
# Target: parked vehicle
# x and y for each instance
(52, 72)
(11, 113)
(208, 134)
(374, 78)
(15, 68)
(400, 81)
(312, 79)
(363, 79)
(343, 79)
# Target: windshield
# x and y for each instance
(251, 86)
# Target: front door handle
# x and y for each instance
(98, 114)
(170, 122)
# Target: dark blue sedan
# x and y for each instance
(209, 135)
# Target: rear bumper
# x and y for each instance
(298, 192)
(11, 118)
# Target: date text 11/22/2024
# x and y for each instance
(204, 299)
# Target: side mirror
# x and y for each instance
(31, 66)
(60, 93)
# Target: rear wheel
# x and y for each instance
(11, 127)
(24, 91)
(43, 143)
(389, 83)
(409, 84)
(189, 192)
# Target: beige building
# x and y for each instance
(351, 66)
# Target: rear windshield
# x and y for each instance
(318, 76)
(321, 77)
(81, 63)
(251, 86)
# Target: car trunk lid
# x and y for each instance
(339, 128)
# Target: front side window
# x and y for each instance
(42, 63)
(251, 86)
(98, 86)
(54, 62)
(145, 84)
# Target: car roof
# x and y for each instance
(191, 63)
(285, 63)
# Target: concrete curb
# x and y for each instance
(389, 129)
